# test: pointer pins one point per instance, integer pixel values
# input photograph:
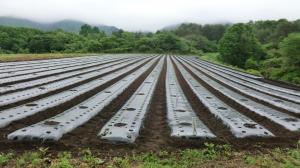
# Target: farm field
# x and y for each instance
(121, 103)
(31, 57)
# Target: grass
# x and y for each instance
(285, 158)
(210, 156)
(27, 57)
(214, 58)
(33, 159)
(287, 74)
(4, 158)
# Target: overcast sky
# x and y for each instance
(145, 15)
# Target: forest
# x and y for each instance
(269, 48)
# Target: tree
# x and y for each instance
(39, 44)
(290, 49)
(5, 41)
(59, 40)
(214, 32)
(145, 44)
(169, 42)
(85, 30)
(264, 30)
(95, 30)
(284, 28)
(201, 43)
(118, 33)
(239, 44)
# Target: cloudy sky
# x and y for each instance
(145, 15)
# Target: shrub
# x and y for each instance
(290, 49)
(239, 44)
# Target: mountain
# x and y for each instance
(66, 25)
(171, 27)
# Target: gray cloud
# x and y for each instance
(150, 14)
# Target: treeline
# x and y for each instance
(269, 48)
(202, 37)
(186, 39)
(90, 39)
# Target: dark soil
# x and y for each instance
(283, 136)
(154, 135)
(61, 89)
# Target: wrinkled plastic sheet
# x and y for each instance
(54, 128)
(183, 121)
(22, 111)
(287, 121)
(281, 103)
(52, 78)
(125, 125)
(43, 89)
(240, 125)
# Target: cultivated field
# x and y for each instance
(117, 103)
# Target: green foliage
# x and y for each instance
(283, 158)
(32, 159)
(239, 44)
(283, 63)
(202, 38)
(201, 43)
(184, 159)
(272, 31)
(119, 162)
(211, 155)
(251, 63)
(169, 42)
(215, 58)
(90, 159)
(5, 158)
(254, 72)
(213, 32)
(291, 75)
(290, 49)
(86, 30)
(63, 161)
(145, 44)
(212, 57)
(91, 39)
